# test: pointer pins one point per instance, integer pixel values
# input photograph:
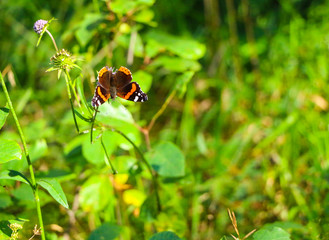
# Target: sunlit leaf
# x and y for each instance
(275, 234)
(96, 193)
(13, 175)
(184, 47)
(54, 189)
(176, 64)
(94, 152)
(168, 160)
(9, 150)
(3, 115)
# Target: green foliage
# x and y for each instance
(9, 150)
(167, 160)
(165, 236)
(237, 118)
(274, 234)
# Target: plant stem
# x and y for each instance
(51, 36)
(26, 152)
(67, 77)
(161, 110)
(154, 180)
(92, 125)
(108, 161)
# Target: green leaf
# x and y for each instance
(106, 231)
(275, 233)
(13, 175)
(94, 152)
(165, 236)
(54, 189)
(168, 160)
(3, 115)
(96, 193)
(176, 64)
(145, 16)
(182, 82)
(183, 47)
(9, 150)
(114, 112)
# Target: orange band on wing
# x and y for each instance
(125, 70)
(133, 89)
(102, 71)
(99, 92)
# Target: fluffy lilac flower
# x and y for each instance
(39, 25)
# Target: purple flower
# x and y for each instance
(39, 25)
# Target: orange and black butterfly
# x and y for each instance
(116, 83)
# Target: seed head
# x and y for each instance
(62, 60)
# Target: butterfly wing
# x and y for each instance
(102, 91)
(122, 77)
(132, 92)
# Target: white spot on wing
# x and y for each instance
(136, 99)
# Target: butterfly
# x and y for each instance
(116, 83)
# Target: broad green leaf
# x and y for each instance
(176, 64)
(9, 150)
(275, 233)
(165, 236)
(54, 189)
(94, 152)
(107, 231)
(96, 193)
(153, 48)
(168, 160)
(124, 6)
(182, 82)
(3, 115)
(13, 175)
(184, 47)
(145, 16)
(113, 112)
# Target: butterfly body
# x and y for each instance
(116, 83)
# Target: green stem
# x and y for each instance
(154, 180)
(161, 110)
(26, 152)
(92, 125)
(108, 161)
(67, 77)
(51, 36)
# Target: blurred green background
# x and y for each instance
(242, 88)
